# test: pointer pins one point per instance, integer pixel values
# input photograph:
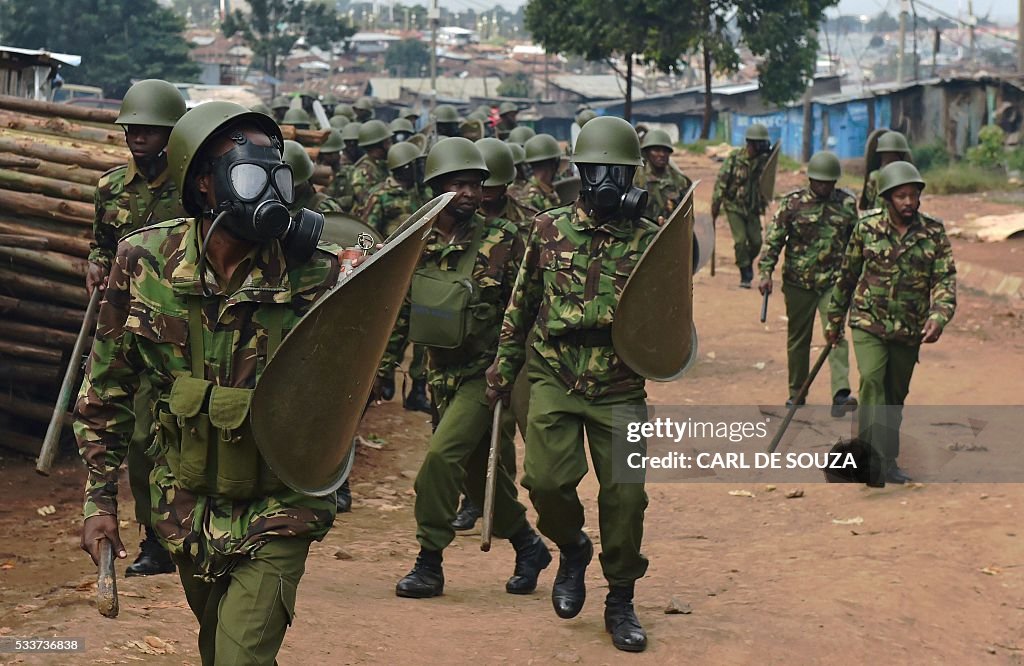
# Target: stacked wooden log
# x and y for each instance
(51, 157)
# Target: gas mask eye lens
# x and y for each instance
(594, 173)
(248, 180)
(284, 183)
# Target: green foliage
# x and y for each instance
(119, 40)
(407, 58)
(517, 85)
(1015, 159)
(931, 156)
(989, 152)
(787, 163)
(273, 26)
(964, 179)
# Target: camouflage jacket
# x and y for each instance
(870, 194)
(571, 279)
(664, 191)
(518, 214)
(125, 202)
(340, 188)
(538, 196)
(895, 284)
(390, 204)
(814, 233)
(366, 174)
(494, 272)
(143, 329)
(738, 185)
(306, 196)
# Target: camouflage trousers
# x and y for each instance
(139, 463)
(457, 459)
(885, 371)
(801, 305)
(746, 236)
(556, 462)
(244, 614)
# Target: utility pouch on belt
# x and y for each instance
(210, 447)
(444, 302)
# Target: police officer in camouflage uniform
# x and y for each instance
(330, 151)
(401, 130)
(306, 195)
(129, 198)
(280, 105)
(338, 121)
(665, 184)
(297, 118)
(340, 187)
(496, 201)
(507, 113)
(464, 246)
(898, 281)
(446, 121)
(891, 147)
(738, 191)
(517, 189)
(543, 156)
(577, 261)
(814, 225)
(364, 109)
(201, 330)
(389, 205)
(372, 168)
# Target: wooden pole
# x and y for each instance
(16, 330)
(60, 127)
(63, 154)
(39, 205)
(38, 108)
(31, 373)
(67, 172)
(29, 352)
(28, 409)
(30, 182)
(45, 313)
(47, 290)
(55, 241)
(55, 262)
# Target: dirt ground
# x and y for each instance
(933, 573)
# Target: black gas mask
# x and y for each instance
(608, 188)
(407, 173)
(400, 136)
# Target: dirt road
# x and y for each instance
(930, 574)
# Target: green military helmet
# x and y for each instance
(350, 132)
(453, 154)
(338, 122)
(198, 125)
(518, 153)
(500, 162)
(298, 159)
(334, 143)
(329, 100)
(542, 147)
(401, 125)
(363, 104)
(445, 113)
(373, 132)
(895, 174)
(757, 132)
(657, 138)
(892, 142)
(151, 102)
(281, 102)
(401, 154)
(409, 114)
(608, 140)
(585, 116)
(484, 109)
(309, 93)
(507, 107)
(521, 135)
(260, 107)
(296, 117)
(824, 165)
(476, 116)
(345, 110)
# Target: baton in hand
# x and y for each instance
(106, 581)
(764, 306)
(491, 480)
(800, 397)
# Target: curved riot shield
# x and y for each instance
(703, 241)
(568, 189)
(870, 164)
(653, 328)
(767, 181)
(342, 230)
(308, 402)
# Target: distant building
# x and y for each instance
(31, 72)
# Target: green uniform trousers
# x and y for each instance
(398, 343)
(139, 463)
(746, 236)
(800, 307)
(243, 615)
(457, 458)
(885, 371)
(556, 462)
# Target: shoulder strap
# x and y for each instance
(468, 258)
(195, 336)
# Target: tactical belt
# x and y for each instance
(586, 337)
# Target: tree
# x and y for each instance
(272, 28)
(517, 85)
(119, 40)
(409, 57)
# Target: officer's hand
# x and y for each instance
(661, 220)
(494, 396)
(765, 286)
(97, 528)
(932, 331)
(833, 335)
(95, 278)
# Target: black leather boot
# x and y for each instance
(569, 590)
(843, 403)
(153, 558)
(344, 498)
(467, 516)
(620, 619)
(387, 388)
(417, 400)
(426, 578)
(532, 557)
(746, 276)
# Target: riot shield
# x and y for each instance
(703, 241)
(308, 402)
(767, 181)
(653, 329)
(342, 230)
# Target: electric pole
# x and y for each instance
(900, 62)
(435, 22)
(1020, 37)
